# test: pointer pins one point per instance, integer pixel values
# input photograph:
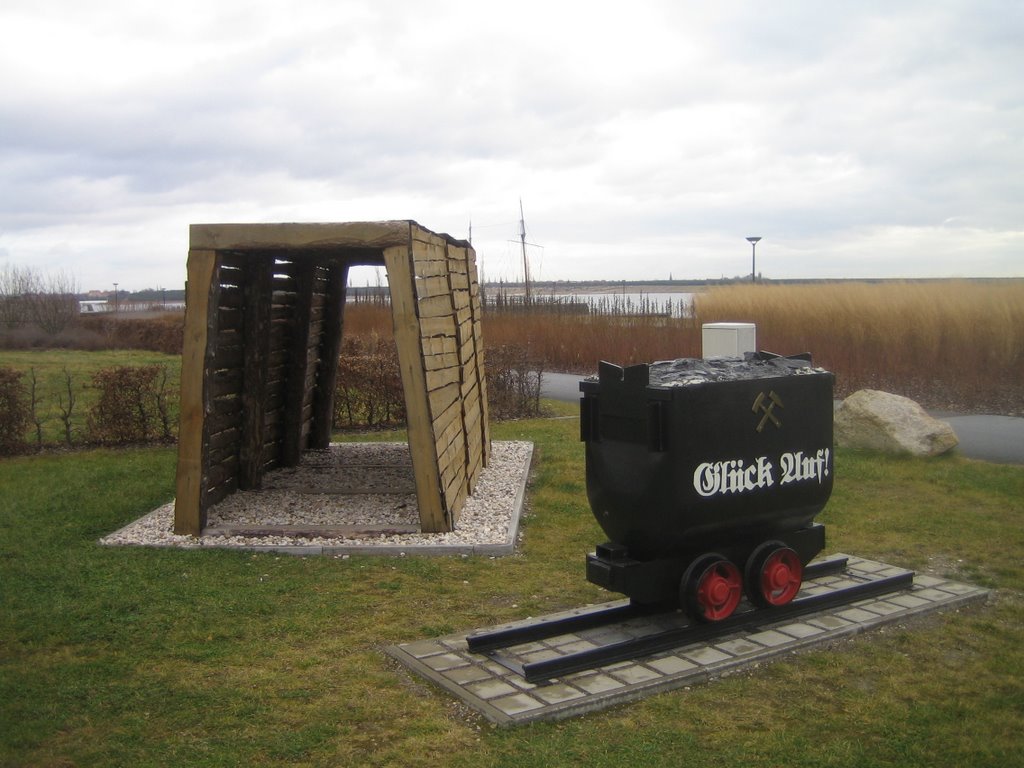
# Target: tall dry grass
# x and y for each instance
(946, 343)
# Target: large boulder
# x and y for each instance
(880, 421)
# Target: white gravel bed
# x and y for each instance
(341, 486)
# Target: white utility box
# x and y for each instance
(728, 339)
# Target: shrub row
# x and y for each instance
(369, 391)
(133, 405)
(136, 404)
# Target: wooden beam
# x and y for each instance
(258, 290)
(298, 369)
(200, 304)
(330, 351)
(346, 531)
(366, 236)
(399, 263)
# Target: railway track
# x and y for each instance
(492, 643)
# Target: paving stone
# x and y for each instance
(829, 622)
(566, 639)
(445, 661)
(928, 581)
(959, 589)
(557, 693)
(423, 648)
(881, 607)
(800, 630)
(598, 684)
(671, 665)
(706, 655)
(908, 601)
(576, 647)
(514, 705)
(739, 647)
(606, 636)
(930, 594)
(469, 674)
(770, 638)
(542, 655)
(843, 584)
(865, 566)
(530, 648)
(635, 673)
(489, 689)
(857, 615)
(892, 571)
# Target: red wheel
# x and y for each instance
(774, 574)
(711, 588)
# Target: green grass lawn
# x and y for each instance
(143, 657)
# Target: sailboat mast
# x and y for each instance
(526, 264)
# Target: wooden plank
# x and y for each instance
(399, 263)
(427, 287)
(298, 370)
(366, 235)
(256, 343)
(437, 379)
(330, 351)
(437, 361)
(224, 438)
(442, 398)
(435, 306)
(447, 416)
(334, 531)
(426, 268)
(200, 296)
(437, 326)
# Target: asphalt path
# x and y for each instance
(998, 439)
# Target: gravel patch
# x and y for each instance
(366, 489)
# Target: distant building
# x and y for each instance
(93, 307)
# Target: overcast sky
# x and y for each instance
(645, 138)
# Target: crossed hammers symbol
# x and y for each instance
(767, 405)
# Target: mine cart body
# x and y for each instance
(687, 457)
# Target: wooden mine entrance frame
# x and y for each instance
(263, 327)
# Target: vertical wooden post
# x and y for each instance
(298, 371)
(189, 516)
(330, 351)
(258, 292)
(433, 516)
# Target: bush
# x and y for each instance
(157, 334)
(15, 412)
(513, 382)
(369, 390)
(132, 405)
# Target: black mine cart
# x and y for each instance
(706, 476)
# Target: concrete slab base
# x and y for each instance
(505, 698)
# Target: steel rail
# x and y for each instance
(484, 642)
(540, 671)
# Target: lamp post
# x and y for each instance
(753, 258)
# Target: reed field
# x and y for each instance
(949, 344)
(955, 345)
(952, 343)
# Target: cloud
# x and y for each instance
(662, 134)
